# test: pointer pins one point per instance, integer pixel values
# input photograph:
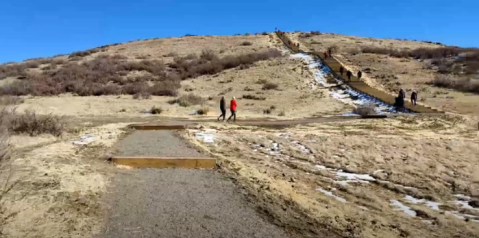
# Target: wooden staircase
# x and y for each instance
(355, 83)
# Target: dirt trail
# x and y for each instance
(177, 202)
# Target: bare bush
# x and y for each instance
(246, 43)
(156, 110)
(32, 123)
(203, 111)
(270, 86)
(460, 84)
(365, 109)
(253, 97)
(11, 100)
(187, 100)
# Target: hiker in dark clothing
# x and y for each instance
(360, 74)
(399, 103)
(341, 70)
(414, 98)
(349, 74)
(329, 51)
(222, 108)
(402, 93)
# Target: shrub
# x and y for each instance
(365, 109)
(270, 86)
(460, 84)
(267, 111)
(11, 100)
(142, 95)
(32, 124)
(156, 110)
(246, 43)
(203, 111)
(187, 100)
(253, 97)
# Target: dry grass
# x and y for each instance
(156, 110)
(280, 169)
(270, 86)
(187, 100)
(365, 109)
(460, 84)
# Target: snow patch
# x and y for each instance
(84, 140)
(206, 136)
(331, 195)
(403, 208)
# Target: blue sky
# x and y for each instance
(31, 29)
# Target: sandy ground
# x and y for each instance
(390, 74)
(57, 184)
(349, 179)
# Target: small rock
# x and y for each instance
(292, 180)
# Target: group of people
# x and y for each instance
(327, 54)
(233, 106)
(399, 103)
(349, 74)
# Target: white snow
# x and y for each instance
(403, 208)
(331, 194)
(430, 204)
(355, 177)
(206, 136)
(344, 95)
(84, 140)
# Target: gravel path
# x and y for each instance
(155, 143)
(174, 203)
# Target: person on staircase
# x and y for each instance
(329, 52)
(233, 106)
(360, 74)
(341, 70)
(222, 108)
(399, 103)
(414, 98)
(325, 55)
(402, 93)
(349, 74)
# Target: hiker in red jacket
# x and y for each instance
(233, 109)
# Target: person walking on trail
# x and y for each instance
(414, 98)
(360, 74)
(341, 70)
(349, 74)
(329, 52)
(233, 106)
(222, 108)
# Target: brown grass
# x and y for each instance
(187, 100)
(461, 84)
(366, 109)
(448, 59)
(270, 86)
(156, 110)
(253, 97)
(32, 123)
(105, 74)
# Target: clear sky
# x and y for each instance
(31, 28)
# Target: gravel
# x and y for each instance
(182, 203)
(174, 203)
(155, 143)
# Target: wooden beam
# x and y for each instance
(158, 127)
(165, 162)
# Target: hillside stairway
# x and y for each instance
(355, 83)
